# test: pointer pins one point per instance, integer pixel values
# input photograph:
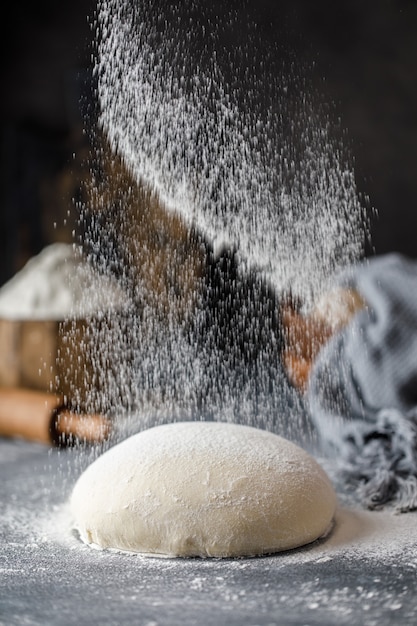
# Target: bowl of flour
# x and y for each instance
(53, 312)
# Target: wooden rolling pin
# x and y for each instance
(44, 417)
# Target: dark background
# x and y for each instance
(365, 62)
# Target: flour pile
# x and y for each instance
(57, 284)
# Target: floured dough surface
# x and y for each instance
(207, 489)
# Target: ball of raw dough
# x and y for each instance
(203, 489)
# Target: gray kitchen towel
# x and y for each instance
(362, 393)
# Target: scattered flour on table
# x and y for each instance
(359, 535)
(377, 535)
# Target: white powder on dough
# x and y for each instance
(203, 489)
(56, 284)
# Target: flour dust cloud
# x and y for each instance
(245, 193)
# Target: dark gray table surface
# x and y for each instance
(365, 572)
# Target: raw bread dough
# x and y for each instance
(203, 489)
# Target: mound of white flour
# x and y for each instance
(56, 284)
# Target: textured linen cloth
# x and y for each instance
(362, 393)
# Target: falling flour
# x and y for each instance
(233, 143)
(227, 139)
